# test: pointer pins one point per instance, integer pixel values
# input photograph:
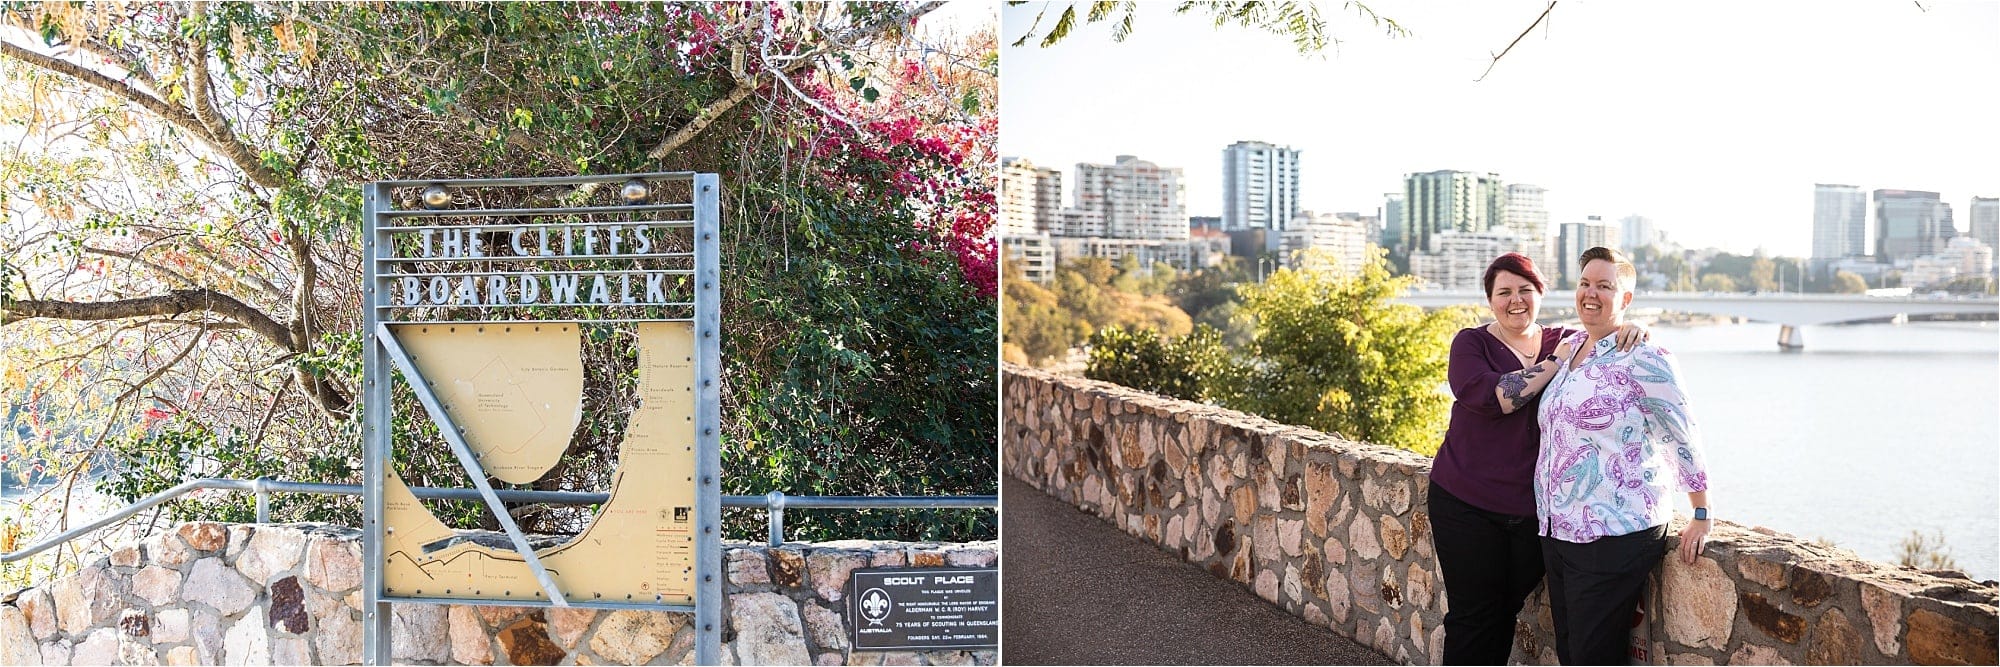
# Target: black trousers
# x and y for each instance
(1491, 562)
(1594, 590)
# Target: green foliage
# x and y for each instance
(1716, 282)
(1298, 21)
(1335, 354)
(1195, 367)
(1330, 352)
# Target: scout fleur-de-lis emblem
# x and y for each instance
(875, 606)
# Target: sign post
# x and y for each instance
(481, 309)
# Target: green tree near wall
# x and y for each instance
(1331, 352)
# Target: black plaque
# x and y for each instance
(924, 608)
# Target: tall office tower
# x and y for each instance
(1635, 232)
(1984, 220)
(1441, 201)
(1137, 199)
(1575, 238)
(1030, 197)
(1910, 224)
(1392, 220)
(1528, 218)
(1340, 238)
(1260, 186)
(1840, 221)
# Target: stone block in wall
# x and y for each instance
(270, 552)
(526, 642)
(157, 585)
(99, 647)
(40, 609)
(204, 535)
(86, 599)
(1937, 639)
(167, 550)
(218, 586)
(1704, 601)
(569, 625)
(419, 632)
(768, 630)
(470, 642)
(17, 642)
(635, 637)
(829, 569)
(332, 563)
(826, 627)
(1833, 641)
(170, 626)
(246, 642)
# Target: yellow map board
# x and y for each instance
(641, 546)
(516, 389)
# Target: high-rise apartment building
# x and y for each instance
(1030, 197)
(1840, 221)
(1528, 217)
(1392, 220)
(1910, 224)
(1137, 199)
(1575, 238)
(1457, 260)
(1340, 242)
(1442, 201)
(1260, 186)
(1637, 231)
(1983, 220)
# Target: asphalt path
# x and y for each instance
(1077, 591)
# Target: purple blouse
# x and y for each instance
(1488, 457)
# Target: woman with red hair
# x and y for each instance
(1482, 495)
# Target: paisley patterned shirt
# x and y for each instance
(1616, 439)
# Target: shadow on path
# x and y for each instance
(1078, 591)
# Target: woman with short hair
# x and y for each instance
(1617, 440)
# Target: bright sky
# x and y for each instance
(1714, 119)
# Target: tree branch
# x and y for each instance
(1517, 40)
(134, 258)
(176, 302)
(235, 151)
(714, 110)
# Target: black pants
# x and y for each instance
(1491, 562)
(1594, 590)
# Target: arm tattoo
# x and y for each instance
(1513, 385)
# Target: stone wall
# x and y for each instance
(1336, 532)
(213, 594)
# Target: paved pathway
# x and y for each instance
(1077, 591)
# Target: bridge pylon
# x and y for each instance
(1791, 338)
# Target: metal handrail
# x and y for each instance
(775, 503)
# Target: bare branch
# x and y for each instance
(236, 152)
(162, 370)
(173, 303)
(1517, 40)
(134, 258)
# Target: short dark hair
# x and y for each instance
(1627, 273)
(1515, 263)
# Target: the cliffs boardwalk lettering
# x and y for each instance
(923, 608)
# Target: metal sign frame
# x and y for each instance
(384, 356)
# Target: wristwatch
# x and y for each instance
(1701, 514)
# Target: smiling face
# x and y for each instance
(1514, 300)
(1601, 297)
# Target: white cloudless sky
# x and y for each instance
(1714, 119)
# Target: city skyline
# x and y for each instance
(1720, 146)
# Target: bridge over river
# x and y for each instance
(1792, 311)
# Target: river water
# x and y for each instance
(1871, 432)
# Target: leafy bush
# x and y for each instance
(1195, 367)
